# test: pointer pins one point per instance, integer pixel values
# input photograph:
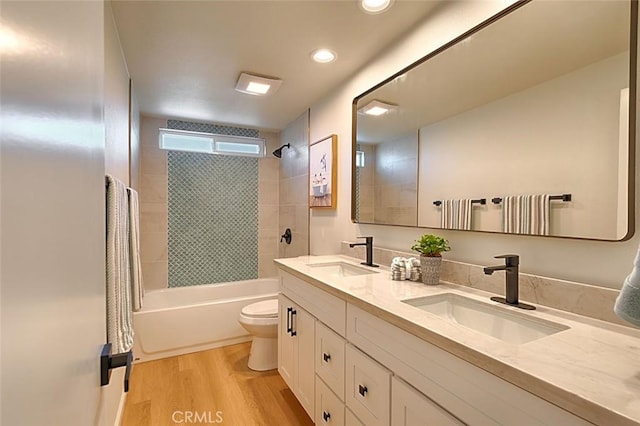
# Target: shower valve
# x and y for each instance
(286, 237)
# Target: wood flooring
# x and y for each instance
(210, 387)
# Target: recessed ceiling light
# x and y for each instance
(323, 56)
(376, 108)
(257, 85)
(375, 6)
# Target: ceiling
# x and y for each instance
(184, 57)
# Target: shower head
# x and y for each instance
(278, 152)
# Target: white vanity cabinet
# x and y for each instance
(296, 337)
(312, 363)
(349, 367)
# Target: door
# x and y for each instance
(52, 306)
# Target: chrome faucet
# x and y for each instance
(369, 243)
(511, 262)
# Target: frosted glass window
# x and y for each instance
(186, 141)
(238, 148)
(181, 140)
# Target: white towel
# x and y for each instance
(627, 304)
(119, 313)
(526, 214)
(137, 287)
(456, 214)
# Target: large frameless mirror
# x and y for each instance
(524, 125)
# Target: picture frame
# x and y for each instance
(323, 173)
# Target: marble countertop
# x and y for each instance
(592, 369)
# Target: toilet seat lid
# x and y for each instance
(265, 308)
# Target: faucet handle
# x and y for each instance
(510, 259)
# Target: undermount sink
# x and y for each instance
(341, 269)
(494, 321)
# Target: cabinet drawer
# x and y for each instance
(329, 408)
(350, 419)
(368, 388)
(327, 308)
(329, 362)
(410, 408)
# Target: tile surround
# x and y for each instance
(153, 211)
(583, 299)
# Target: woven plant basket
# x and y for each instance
(430, 267)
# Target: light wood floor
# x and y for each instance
(163, 392)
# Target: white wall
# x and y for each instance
(545, 139)
(53, 213)
(600, 263)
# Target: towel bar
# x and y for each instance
(109, 362)
(481, 201)
(563, 197)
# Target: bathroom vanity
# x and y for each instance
(357, 348)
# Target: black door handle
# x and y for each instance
(109, 362)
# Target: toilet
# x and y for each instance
(261, 320)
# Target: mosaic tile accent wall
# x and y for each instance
(212, 128)
(212, 215)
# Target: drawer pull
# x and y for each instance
(362, 390)
(326, 357)
(326, 416)
(289, 328)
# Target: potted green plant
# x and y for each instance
(430, 248)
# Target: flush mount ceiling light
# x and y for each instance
(324, 56)
(374, 6)
(257, 85)
(376, 108)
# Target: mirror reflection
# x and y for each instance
(531, 106)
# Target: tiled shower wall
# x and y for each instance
(294, 181)
(154, 206)
(213, 218)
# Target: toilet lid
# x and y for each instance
(265, 308)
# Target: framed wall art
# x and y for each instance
(322, 173)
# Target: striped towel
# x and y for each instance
(137, 288)
(456, 214)
(526, 214)
(119, 312)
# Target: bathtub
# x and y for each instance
(181, 320)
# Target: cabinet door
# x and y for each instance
(368, 392)
(329, 408)
(304, 330)
(330, 358)
(286, 343)
(410, 408)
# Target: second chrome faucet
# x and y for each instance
(511, 262)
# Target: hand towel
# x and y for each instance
(526, 214)
(456, 214)
(137, 287)
(118, 271)
(627, 304)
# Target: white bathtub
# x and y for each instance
(181, 320)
